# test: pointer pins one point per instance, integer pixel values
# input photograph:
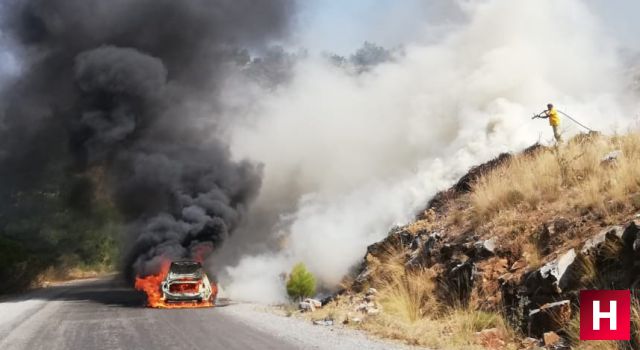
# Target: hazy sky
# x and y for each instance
(621, 19)
(342, 26)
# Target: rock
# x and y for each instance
(530, 343)
(551, 339)
(332, 297)
(486, 248)
(555, 272)
(460, 281)
(370, 298)
(373, 311)
(423, 255)
(613, 233)
(415, 244)
(314, 302)
(397, 237)
(631, 235)
(549, 317)
(356, 320)
(372, 291)
(325, 322)
(362, 307)
(306, 306)
(491, 338)
(611, 157)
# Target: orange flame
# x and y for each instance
(152, 286)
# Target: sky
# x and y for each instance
(342, 26)
(621, 18)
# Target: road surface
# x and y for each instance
(106, 314)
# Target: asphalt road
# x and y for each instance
(105, 314)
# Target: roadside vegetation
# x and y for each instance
(301, 283)
(55, 231)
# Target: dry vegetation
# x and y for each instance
(570, 181)
(511, 203)
(568, 178)
(413, 315)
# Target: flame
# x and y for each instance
(151, 285)
(184, 287)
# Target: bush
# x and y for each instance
(301, 283)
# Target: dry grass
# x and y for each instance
(572, 176)
(572, 332)
(510, 203)
(412, 314)
(453, 329)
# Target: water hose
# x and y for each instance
(575, 121)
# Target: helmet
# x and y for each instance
(549, 105)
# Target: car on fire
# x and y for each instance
(186, 281)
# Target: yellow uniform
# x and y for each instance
(554, 119)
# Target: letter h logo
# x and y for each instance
(605, 314)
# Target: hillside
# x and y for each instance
(497, 260)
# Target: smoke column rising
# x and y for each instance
(357, 154)
(131, 87)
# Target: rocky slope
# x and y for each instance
(527, 261)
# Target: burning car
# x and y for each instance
(186, 281)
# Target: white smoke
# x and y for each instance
(361, 153)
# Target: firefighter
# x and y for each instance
(554, 120)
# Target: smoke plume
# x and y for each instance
(347, 156)
(131, 87)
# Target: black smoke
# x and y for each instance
(130, 87)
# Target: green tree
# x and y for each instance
(301, 283)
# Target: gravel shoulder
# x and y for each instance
(303, 333)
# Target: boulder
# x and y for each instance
(610, 234)
(305, 306)
(313, 302)
(554, 276)
(549, 317)
(458, 283)
(422, 255)
(631, 235)
(486, 248)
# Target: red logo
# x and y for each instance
(605, 315)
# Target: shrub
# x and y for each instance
(301, 283)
